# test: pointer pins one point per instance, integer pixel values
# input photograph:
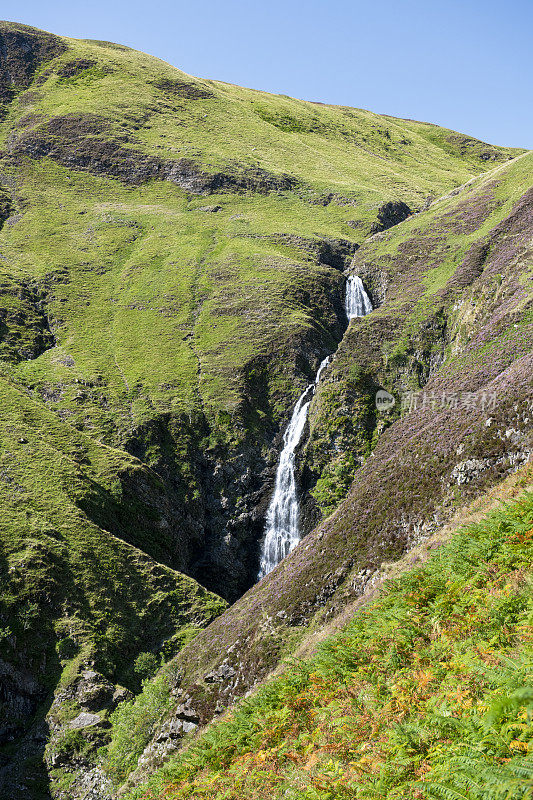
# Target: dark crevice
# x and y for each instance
(6, 207)
(390, 214)
(25, 331)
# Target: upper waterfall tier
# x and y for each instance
(357, 302)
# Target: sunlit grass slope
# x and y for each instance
(165, 303)
(426, 694)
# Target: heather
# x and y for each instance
(174, 254)
(427, 693)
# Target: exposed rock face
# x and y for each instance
(94, 691)
(376, 281)
(19, 696)
(73, 742)
(87, 142)
(336, 252)
(390, 214)
(22, 51)
(85, 720)
(185, 719)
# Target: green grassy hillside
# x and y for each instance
(427, 693)
(452, 333)
(171, 274)
(177, 326)
(135, 275)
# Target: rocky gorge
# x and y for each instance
(166, 296)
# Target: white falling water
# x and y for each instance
(282, 530)
(357, 302)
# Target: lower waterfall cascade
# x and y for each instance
(282, 531)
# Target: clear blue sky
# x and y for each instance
(465, 64)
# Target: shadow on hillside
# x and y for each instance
(23, 772)
(24, 703)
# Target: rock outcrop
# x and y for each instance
(23, 50)
(390, 214)
(87, 142)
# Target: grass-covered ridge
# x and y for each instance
(150, 107)
(428, 693)
(171, 275)
(173, 325)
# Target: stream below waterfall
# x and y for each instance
(282, 530)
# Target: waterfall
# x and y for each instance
(357, 301)
(282, 529)
(282, 532)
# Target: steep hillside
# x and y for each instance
(84, 588)
(427, 693)
(172, 270)
(453, 335)
(177, 327)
